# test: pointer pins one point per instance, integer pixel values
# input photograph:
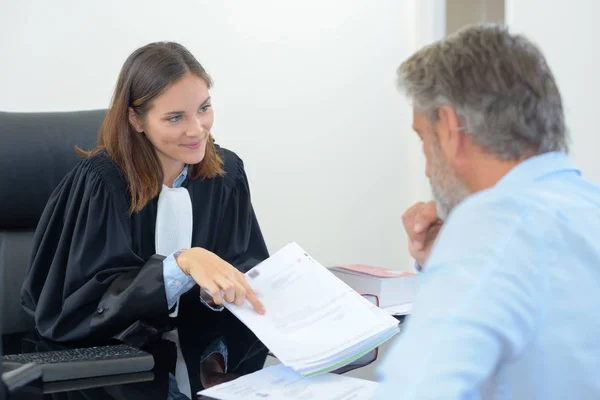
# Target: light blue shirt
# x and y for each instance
(176, 282)
(508, 303)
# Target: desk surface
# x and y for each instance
(245, 355)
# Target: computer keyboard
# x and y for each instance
(85, 362)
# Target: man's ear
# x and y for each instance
(134, 121)
(449, 133)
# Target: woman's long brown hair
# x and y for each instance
(146, 74)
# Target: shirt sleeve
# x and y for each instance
(478, 305)
(217, 346)
(418, 267)
(176, 281)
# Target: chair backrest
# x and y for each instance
(2, 389)
(36, 152)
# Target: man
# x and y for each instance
(508, 302)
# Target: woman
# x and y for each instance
(156, 211)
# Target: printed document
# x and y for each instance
(280, 382)
(314, 322)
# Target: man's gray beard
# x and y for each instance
(448, 191)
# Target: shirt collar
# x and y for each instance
(179, 180)
(539, 166)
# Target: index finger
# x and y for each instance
(252, 297)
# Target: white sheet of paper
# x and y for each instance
(399, 309)
(310, 314)
(280, 382)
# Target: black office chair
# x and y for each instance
(2, 384)
(22, 382)
(36, 152)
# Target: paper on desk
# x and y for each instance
(399, 309)
(367, 270)
(314, 322)
(280, 382)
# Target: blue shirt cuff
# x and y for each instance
(176, 282)
(217, 346)
(418, 267)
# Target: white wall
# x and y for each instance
(567, 33)
(431, 17)
(304, 93)
(465, 12)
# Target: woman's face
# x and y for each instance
(178, 123)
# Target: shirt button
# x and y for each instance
(177, 283)
(100, 310)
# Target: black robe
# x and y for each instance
(94, 273)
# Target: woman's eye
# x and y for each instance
(175, 118)
(205, 107)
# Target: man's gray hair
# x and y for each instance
(500, 86)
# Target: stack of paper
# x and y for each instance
(391, 287)
(399, 309)
(314, 323)
(280, 382)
